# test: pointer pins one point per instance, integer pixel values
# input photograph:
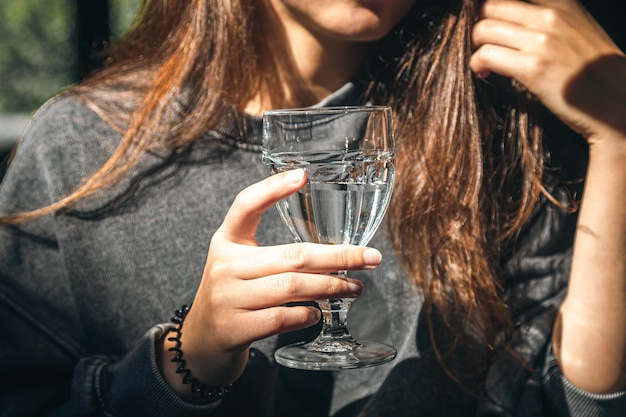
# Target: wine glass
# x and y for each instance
(349, 158)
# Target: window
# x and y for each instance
(44, 47)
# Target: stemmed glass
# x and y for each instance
(348, 155)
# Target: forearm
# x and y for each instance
(590, 333)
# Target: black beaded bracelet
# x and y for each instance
(204, 391)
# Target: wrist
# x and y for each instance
(175, 370)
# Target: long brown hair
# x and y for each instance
(463, 189)
(172, 77)
(470, 169)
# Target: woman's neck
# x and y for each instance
(306, 66)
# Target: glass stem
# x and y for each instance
(335, 335)
(334, 320)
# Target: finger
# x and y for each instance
(302, 257)
(501, 60)
(260, 324)
(520, 12)
(561, 4)
(498, 32)
(509, 10)
(289, 287)
(243, 217)
(553, 16)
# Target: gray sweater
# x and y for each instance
(85, 295)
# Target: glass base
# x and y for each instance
(334, 355)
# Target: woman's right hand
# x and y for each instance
(244, 287)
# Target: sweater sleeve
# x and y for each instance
(131, 386)
(565, 399)
(46, 366)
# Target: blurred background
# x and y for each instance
(46, 45)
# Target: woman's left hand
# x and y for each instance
(556, 50)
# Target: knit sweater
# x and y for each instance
(85, 295)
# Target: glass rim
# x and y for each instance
(326, 110)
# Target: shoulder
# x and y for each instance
(64, 142)
(65, 118)
(66, 129)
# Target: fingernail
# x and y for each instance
(315, 316)
(483, 75)
(355, 286)
(372, 257)
(294, 176)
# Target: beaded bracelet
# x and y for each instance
(206, 392)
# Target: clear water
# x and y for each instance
(345, 198)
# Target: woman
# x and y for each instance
(130, 174)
